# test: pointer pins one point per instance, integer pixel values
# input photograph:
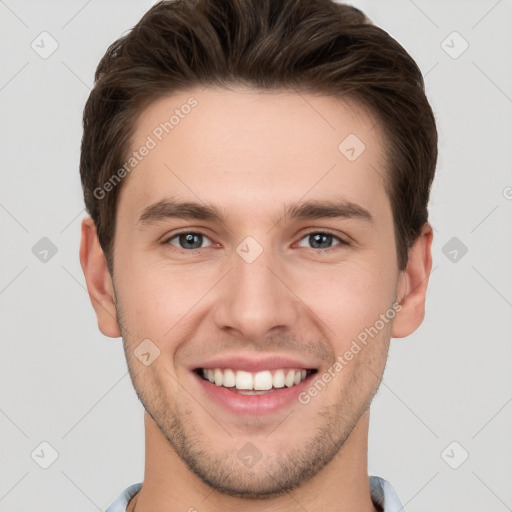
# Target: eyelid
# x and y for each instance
(167, 239)
(342, 240)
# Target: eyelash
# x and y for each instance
(342, 242)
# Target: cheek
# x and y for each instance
(156, 298)
(347, 298)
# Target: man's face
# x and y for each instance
(268, 287)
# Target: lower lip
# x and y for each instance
(253, 405)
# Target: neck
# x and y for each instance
(170, 486)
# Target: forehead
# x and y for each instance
(250, 148)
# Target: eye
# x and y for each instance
(321, 240)
(189, 240)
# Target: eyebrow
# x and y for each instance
(170, 208)
(317, 209)
(326, 209)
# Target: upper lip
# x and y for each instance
(254, 364)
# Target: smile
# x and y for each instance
(261, 382)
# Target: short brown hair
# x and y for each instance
(315, 46)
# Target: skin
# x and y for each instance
(249, 153)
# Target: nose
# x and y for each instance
(256, 298)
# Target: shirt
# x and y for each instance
(382, 493)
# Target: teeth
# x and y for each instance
(229, 379)
(260, 381)
(244, 380)
(278, 379)
(263, 380)
(289, 379)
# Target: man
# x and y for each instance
(257, 174)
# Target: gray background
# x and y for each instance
(65, 384)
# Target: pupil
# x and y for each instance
(189, 239)
(320, 239)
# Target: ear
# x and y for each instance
(98, 279)
(412, 285)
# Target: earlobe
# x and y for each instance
(412, 287)
(98, 279)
